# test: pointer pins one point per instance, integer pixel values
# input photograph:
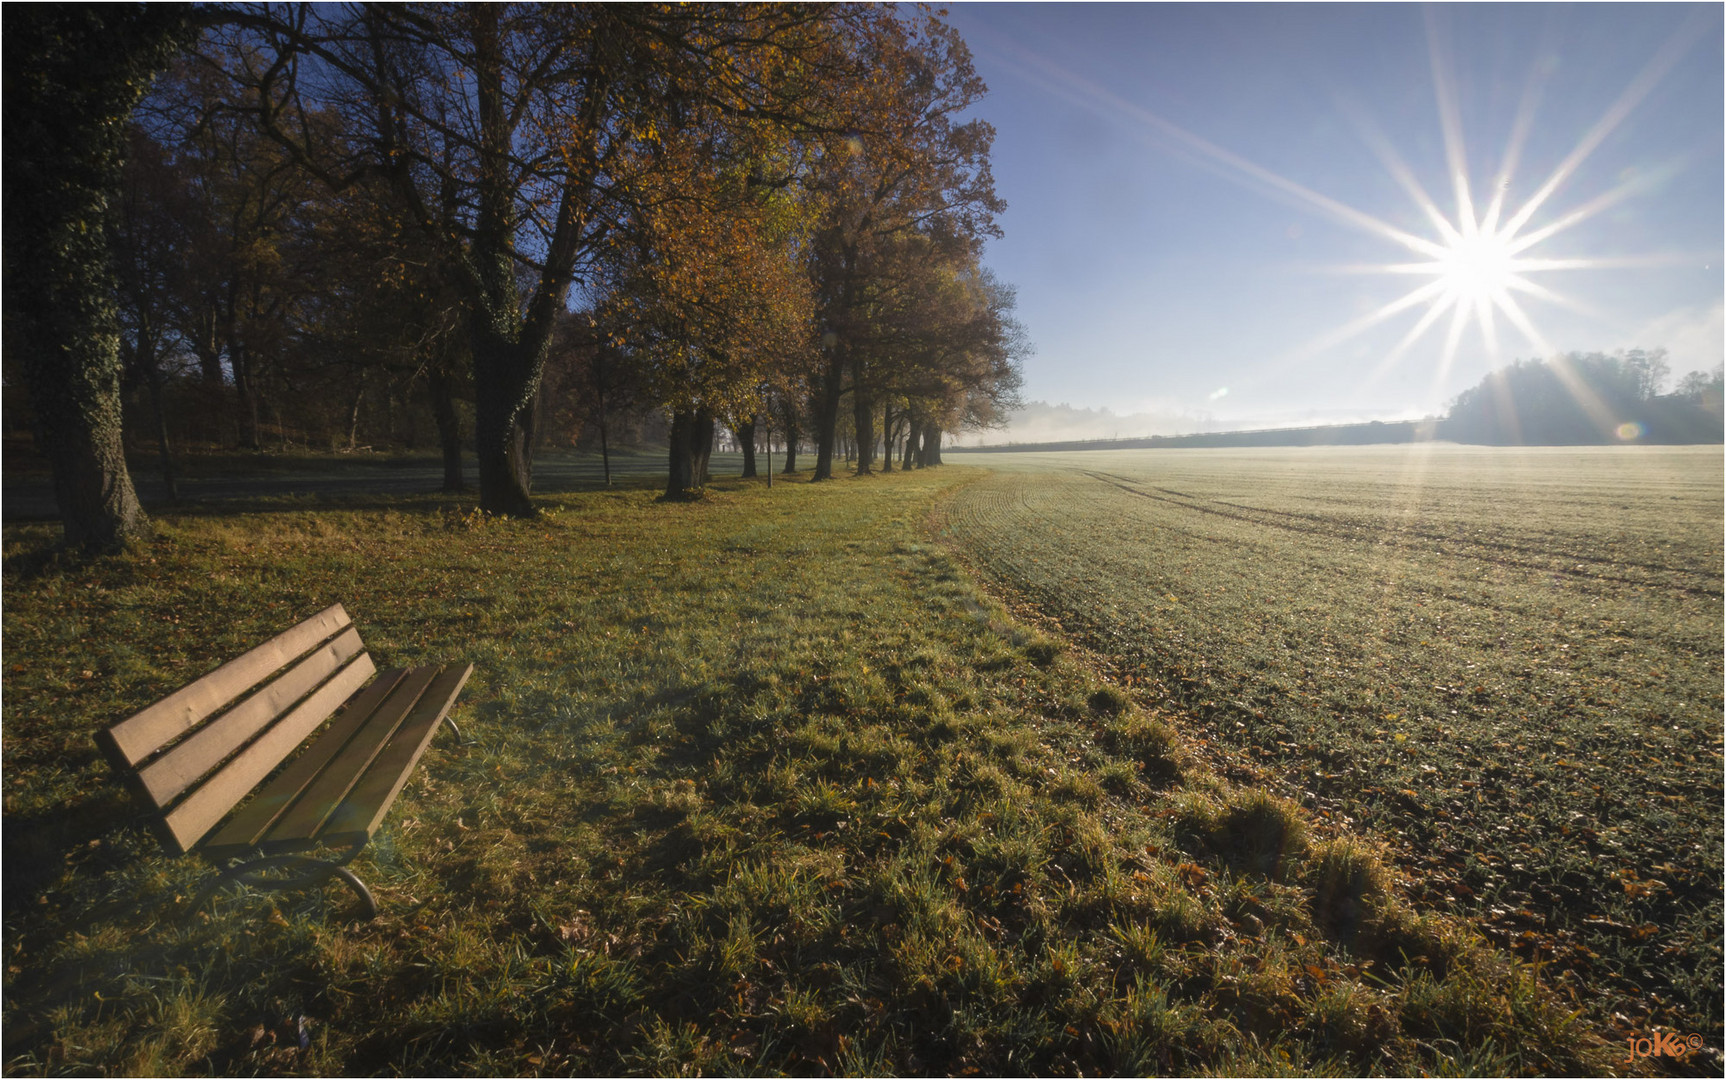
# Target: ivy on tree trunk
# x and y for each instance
(72, 76)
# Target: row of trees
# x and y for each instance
(1584, 398)
(749, 216)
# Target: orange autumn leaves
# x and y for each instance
(709, 289)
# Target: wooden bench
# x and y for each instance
(196, 755)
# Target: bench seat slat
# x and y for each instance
(187, 823)
(363, 810)
(137, 737)
(298, 826)
(243, 831)
(203, 750)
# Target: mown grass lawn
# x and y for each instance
(757, 784)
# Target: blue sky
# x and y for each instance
(1189, 186)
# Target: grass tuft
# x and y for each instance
(1108, 701)
(1347, 879)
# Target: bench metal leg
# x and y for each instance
(316, 871)
(459, 737)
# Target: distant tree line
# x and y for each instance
(1572, 399)
(493, 228)
(1584, 398)
(1374, 432)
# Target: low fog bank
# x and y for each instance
(1572, 399)
(1040, 422)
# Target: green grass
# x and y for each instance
(761, 783)
(1506, 663)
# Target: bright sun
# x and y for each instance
(1478, 268)
(1478, 264)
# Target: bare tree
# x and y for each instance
(512, 134)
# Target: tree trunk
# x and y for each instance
(207, 349)
(911, 433)
(497, 445)
(527, 431)
(410, 417)
(691, 446)
(442, 389)
(162, 445)
(887, 422)
(746, 439)
(535, 429)
(138, 364)
(791, 436)
(704, 425)
(77, 407)
(680, 481)
(205, 420)
(604, 436)
(503, 382)
(604, 449)
(240, 361)
(827, 413)
(508, 350)
(72, 76)
(931, 444)
(281, 426)
(354, 412)
(863, 415)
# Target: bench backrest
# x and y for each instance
(200, 750)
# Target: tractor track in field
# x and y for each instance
(1411, 538)
(1567, 718)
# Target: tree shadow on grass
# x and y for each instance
(37, 845)
(26, 504)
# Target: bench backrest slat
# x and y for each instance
(178, 769)
(136, 738)
(199, 812)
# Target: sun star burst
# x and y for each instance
(1479, 263)
(1478, 268)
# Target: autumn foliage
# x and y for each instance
(363, 225)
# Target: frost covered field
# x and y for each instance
(1504, 662)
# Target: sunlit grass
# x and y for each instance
(1505, 662)
(758, 783)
